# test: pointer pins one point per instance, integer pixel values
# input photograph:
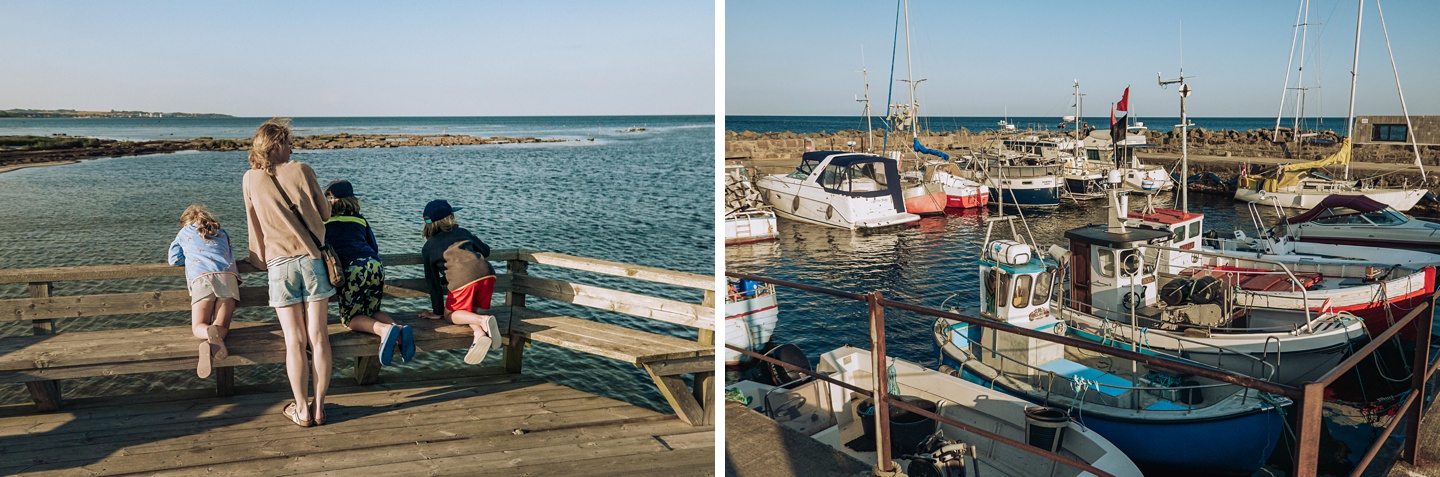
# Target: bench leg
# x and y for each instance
(704, 393)
(46, 395)
(367, 369)
(682, 399)
(225, 381)
(514, 353)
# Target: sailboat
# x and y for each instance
(1303, 186)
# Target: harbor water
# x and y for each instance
(634, 197)
(933, 263)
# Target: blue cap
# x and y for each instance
(438, 209)
(339, 189)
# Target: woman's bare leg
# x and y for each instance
(292, 325)
(318, 329)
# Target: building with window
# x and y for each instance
(1392, 130)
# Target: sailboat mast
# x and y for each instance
(910, 77)
(1289, 62)
(1300, 75)
(1354, 66)
(869, 125)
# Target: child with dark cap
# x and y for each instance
(459, 278)
(354, 241)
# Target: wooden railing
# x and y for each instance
(664, 357)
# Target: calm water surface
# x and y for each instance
(644, 198)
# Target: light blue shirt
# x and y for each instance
(202, 256)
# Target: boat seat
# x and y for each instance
(863, 185)
(1110, 384)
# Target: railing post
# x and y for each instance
(879, 373)
(704, 388)
(1307, 453)
(1420, 367)
(46, 394)
(514, 345)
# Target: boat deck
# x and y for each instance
(457, 423)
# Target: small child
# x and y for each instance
(204, 249)
(354, 241)
(459, 278)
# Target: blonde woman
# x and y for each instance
(286, 212)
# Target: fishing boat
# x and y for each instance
(1149, 413)
(1136, 176)
(1361, 221)
(747, 218)
(960, 193)
(1017, 178)
(751, 313)
(839, 189)
(840, 418)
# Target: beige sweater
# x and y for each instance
(274, 229)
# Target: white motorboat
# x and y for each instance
(1136, 176)
(747, 217)
(832, 415)
(839, 189)
(1364, 222)
(751, 313)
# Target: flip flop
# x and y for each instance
(407, 343)
(207, 360)
(478, 350)
(292, 412)
(213, 333)
(494, 327)
(388, 344)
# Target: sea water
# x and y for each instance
(635, 197)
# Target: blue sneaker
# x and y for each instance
(407, 343)
(388, 344)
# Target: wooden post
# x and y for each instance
(1420, 367)
(514, 355)
(1307, 445)
(225, 381)
(46, 394)
(705, 381)
(367, 369)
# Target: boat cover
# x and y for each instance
(1358, 203)
(926, 150)
(1290, 174)
(846, 159)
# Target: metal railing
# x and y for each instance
(1309, 397)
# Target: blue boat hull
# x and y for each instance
(1046, 197)
(1236, 445)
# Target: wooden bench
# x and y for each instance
(42, 359)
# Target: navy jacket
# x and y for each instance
(352, 238)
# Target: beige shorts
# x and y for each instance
(213, 286)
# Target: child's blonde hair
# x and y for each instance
(436, 227)
(204, 221)
(345, 206)
(269, 137)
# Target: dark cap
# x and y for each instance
(339, 189)
(438, 209)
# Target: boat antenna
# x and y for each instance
(1354, 65)
(1184, 126)
(869, 126)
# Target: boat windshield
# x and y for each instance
(1386, 217)
(803, 170)
(859, 177)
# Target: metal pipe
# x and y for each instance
(1355, 358)
(1422, 361)
(1354, 66)
(878, 372)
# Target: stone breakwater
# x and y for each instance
(113, 148)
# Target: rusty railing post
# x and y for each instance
(879, 373)
(1420, 368)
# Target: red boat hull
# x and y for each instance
(928, 204)
(967, 202)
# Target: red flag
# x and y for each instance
(1124, 104)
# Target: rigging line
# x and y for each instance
(1408, 127)
(890, 90)
(1289, 62)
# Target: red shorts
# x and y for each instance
(472, 294)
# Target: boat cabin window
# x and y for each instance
(1386, 217)
(996, 289)
(803, 170)
(1347, 219)
(1179, 234)
(835, 177)
(1022, 291)
(1194, 230)
(1105, 262)
(874, 172)
(1130, 262)
(1043, 282)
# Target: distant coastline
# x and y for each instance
(72, 114)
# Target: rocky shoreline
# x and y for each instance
(11, 159)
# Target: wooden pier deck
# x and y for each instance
(462, 424)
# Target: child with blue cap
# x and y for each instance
(354, 241)
(459, 278)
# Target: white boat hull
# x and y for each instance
(793, 200)
(1401, 199)
(750, 227)
(749, 324)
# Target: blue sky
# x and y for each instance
(291, 58)
(978, 58)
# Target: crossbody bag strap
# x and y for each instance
(296, 211)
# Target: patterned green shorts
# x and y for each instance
(364, 284)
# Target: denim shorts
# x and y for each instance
(302, 279)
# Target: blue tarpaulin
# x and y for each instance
(926, 150)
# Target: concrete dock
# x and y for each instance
(757, 446)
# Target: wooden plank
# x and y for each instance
(675, 367)
(367, 369)
(680, 397)
(625, 344)
(143, 270)
(111, 304)
(644, 306)
(638, 272)
(516, 268)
